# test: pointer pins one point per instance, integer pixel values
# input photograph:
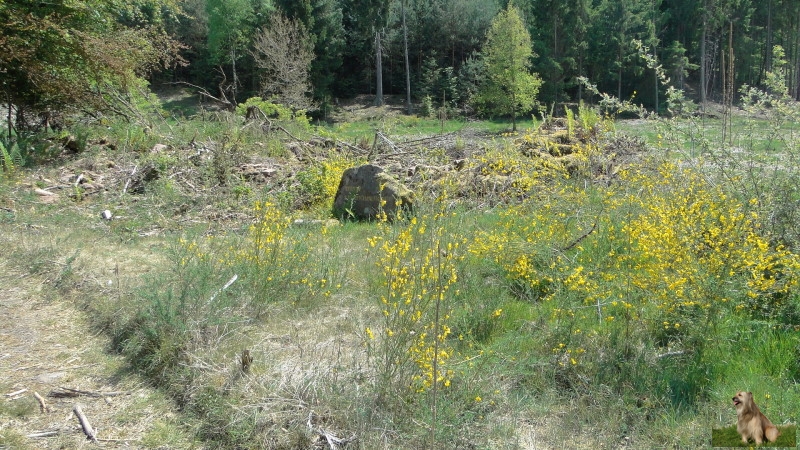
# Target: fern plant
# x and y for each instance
(11, 157)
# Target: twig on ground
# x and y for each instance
(69, 392)
(128, 181)
(669, 354)
(42, 404)
(90, 432)
(16, 393)
(45, 433)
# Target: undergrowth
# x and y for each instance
(552, 291)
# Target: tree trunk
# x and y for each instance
(703, 62)
(768, 53)
(378, 71)
(10, 127)
(619, 72)
(655, 77)
(409, 109)
(235, 77)
(796, 59)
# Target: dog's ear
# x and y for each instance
(750, 394)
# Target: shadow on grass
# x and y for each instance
(728, 437)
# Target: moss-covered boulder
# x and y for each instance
(367, 191)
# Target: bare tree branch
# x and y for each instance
(284, 52)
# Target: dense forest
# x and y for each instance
(58, 54)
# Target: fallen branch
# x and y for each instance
(669, 354)
(582, 237)
(43, 192)
(227, 285)
(333, 441)
(42, 404)
(204, 93)
(69, 392)
(46, 433)
(16, 393)
(90, 432)
(128, 181)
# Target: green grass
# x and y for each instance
(561, 327)
(416, 126)
(728, 437)
(695, 136)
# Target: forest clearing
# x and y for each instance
(612, 297)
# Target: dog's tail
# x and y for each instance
(772, 433)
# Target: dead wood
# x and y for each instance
(331, 439)
(42, 404)
(65, 392)
(222, 99)
(16, 393)
(45, 433)
(90, 432)
(582, 237)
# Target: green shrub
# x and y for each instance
(264, 109)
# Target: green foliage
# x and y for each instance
(157, 335)
(426, 108)
(509, 87)
(10, 158)
(230, 25)
(78, 56)
(271, 110)
(570, 123)
(418, 266)
(319, 182)
(644, 296)
(438, 84)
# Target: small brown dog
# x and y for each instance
(752, 423)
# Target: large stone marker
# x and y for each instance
(366, 191)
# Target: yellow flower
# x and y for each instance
(369, 333)
(478, 399)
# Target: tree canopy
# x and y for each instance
(84, 54)
(509, 87)
(57, 56)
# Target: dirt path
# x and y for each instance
(46, 346)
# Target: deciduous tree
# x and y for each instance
(231, 27)
(78, 55)
(283, 51)
(509, 87)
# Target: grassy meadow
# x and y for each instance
(583, 283)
